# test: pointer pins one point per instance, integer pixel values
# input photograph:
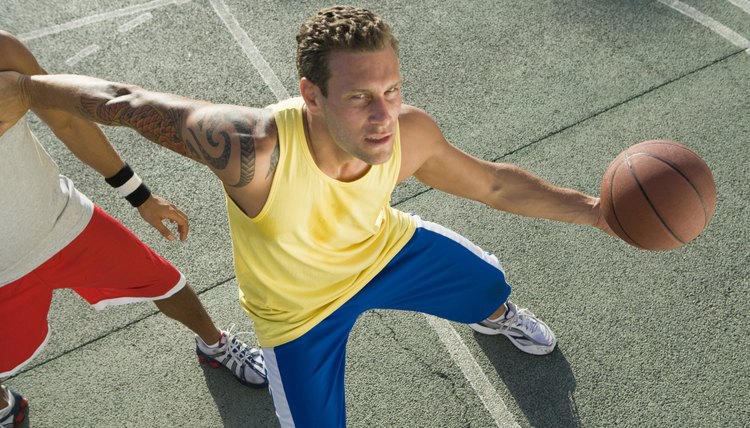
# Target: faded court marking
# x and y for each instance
(712, 24)
(140, 19)
(88, 20)
(472, 372)
(742, 4)
(88, 50)
(250, 50)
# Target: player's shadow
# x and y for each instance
(239, 405)
(542, 386)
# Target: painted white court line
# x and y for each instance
(88, 50)
(742, 4)
(88, 20)
(140, 19)
(250, 50)
(473, 373)
(710, 23)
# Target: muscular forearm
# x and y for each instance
(158, 117)
(84, 139)
(523, 193)
(67, 92)
(89, 144)
(222, 137)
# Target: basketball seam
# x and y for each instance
(614, 210)
(695, 189)
(653, 208)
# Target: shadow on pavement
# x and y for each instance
(239, 405)
(542, 386)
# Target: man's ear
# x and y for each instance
(311, 94)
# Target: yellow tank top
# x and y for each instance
(317, 241)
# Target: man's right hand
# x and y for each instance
(13, 104)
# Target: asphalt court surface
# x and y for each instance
(558, 87)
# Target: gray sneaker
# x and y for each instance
(245, 363)
(524, 329)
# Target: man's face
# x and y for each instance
(363, 103)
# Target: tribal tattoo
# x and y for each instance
(158, 126)
(274, 159)
(210, 141)
(216, 132)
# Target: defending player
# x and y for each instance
(54, 237)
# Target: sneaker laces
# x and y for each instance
(239, 350)
(524, 320)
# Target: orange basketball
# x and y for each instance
(658, 195)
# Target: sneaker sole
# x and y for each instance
(529, 349)
(479, 328)
(216, 365)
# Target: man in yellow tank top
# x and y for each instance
(308, 184)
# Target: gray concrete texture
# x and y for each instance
(559, 87)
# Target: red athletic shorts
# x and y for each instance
(106, 265)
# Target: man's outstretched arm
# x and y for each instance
(223, 137)
(86, 141)
(506, 187)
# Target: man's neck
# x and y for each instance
(327, 155)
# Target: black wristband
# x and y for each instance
(122, 177)
(139, 196)
(129, 186)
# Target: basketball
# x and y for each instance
(658, 195)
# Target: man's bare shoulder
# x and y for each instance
(257, 125)
(268, 140)
(417, 126)
(411, 115)
(229, 139)
(420, 139)
(261, 121)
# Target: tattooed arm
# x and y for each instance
(226, 138)
(84, 138)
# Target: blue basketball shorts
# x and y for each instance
(438, 272)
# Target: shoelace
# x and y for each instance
(524, 319)
(239, 350)
(243, 352)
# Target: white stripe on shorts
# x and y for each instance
(103, 304)
(276, 388)
(459, 239)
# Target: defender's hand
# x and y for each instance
(157, 209)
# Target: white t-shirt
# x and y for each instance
(41, 211)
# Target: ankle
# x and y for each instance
(213, 340)
(209, 345)
(499, 313)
